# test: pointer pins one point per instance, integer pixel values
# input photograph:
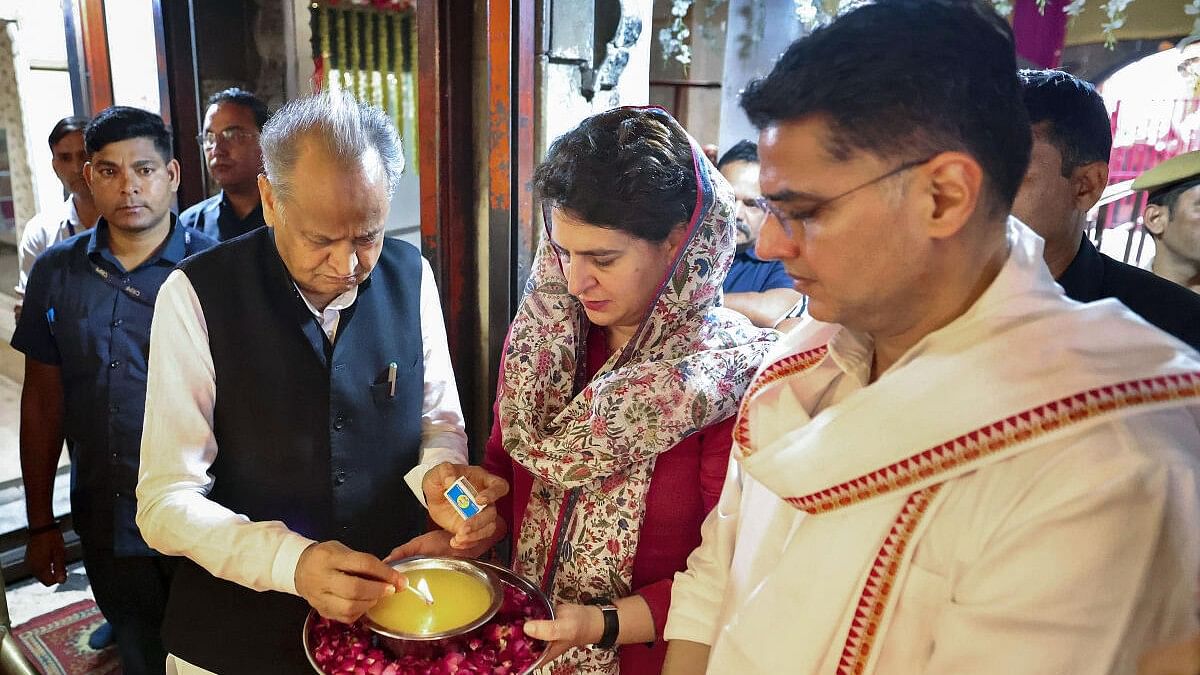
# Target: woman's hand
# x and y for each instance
(441, 543)
(481, 527)
(572, 626)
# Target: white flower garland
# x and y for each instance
(813, 14)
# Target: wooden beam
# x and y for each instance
(95, 55)
(181, 107)
(511, 236)
(501, 230)
(449, 231)
(524, 146)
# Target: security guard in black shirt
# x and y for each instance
(1068, 171)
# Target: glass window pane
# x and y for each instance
(47, 99)
(133, 53)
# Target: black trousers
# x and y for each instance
(131, 592)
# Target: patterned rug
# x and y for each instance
(57, 642)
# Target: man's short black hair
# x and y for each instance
(120, 123)
(65, 126)
(1078, 122)
(742, 151)
(905, 80)
(245, 99)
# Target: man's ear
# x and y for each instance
(1155, 218)
(87, 173)
(269, 204)
(173, 174)
(955, 183)
(1087, 184)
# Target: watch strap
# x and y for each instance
(612, 625)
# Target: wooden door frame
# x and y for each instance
(446, 159)
(181, 110)
(450, 229)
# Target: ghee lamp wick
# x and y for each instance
(421, 589)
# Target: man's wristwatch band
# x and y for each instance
(612, 624)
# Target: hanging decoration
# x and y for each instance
(812, 14)
(366, 48)
(674, 38)
(382, 5)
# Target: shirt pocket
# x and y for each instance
(382, 390)
(80, 349)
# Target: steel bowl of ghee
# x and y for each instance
(464, 597)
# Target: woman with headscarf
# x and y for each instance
(618, 385)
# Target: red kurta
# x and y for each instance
(684, 487)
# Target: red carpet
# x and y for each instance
(56, 643)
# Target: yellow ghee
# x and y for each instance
(458, 599)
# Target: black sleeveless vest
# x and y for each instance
(307, 433)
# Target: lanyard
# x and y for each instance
(128, 288)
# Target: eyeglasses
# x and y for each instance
(234, 135)
(787, 221)
(751, 209)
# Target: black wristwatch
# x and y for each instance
(612, 623)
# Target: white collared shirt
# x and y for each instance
(331, 316)
(41, 232)
(178, 445)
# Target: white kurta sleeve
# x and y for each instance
(178, 448)
(1069, 581)
(697, 593)
(443, 438)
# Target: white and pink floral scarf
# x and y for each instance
(592, 446)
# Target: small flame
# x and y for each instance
(423, 591)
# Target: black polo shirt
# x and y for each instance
(1172, 308)
(90, 317)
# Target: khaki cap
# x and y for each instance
(1170, 173)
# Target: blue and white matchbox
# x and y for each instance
(462, 497)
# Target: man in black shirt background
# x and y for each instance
(1068, 171)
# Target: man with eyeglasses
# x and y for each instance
(760, 289)
(953, 468)
(234, 119)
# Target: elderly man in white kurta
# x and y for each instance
(952, 468)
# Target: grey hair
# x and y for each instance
(345, 127)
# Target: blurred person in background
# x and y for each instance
(76, 214)
(1172, 217)
(232, 124)
(759, 289)
(1067, 172)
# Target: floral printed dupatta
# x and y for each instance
(592, 446)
